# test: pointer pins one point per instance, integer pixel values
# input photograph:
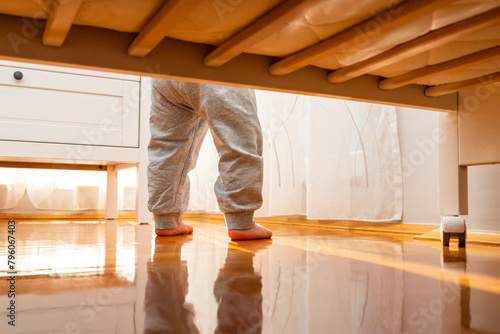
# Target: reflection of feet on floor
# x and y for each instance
(238, 290)
(257, 232)
(183, 228)
(176, 240)
(166, 309)
(169, 249)
(252, 246)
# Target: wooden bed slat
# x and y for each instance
(172, 12)
(454, 87)
(61, 17)
(272, 21)
(435, 70)
(418, 45)
(387, 20)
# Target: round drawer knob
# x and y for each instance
(18, 75)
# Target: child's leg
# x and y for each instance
(176, 138)
(231, 114)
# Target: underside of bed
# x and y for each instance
(413, 53)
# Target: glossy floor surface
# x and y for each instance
(117, 277)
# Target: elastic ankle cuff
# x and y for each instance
(242, 220)
(167, 222)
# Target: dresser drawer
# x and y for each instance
(54, 107)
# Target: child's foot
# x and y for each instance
(183, 228)
(257, 232)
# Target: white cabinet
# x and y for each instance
(53, 107)
(53, 116)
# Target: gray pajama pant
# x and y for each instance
(181, 113)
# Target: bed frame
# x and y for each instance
(410, 53)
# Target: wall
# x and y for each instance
(417, 133)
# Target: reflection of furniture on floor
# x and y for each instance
(454, 292)
(59, 118)
(94, 288)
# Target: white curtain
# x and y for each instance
(12, 187)
(323, 158)
(284, 126)
(64, 190)
(353, 161)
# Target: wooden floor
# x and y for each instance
(117, 277)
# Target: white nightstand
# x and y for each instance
(53, 117)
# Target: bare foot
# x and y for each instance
(183, 228)
(257, 232)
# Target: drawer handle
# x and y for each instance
(18, 75)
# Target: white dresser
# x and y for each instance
(54, 117)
